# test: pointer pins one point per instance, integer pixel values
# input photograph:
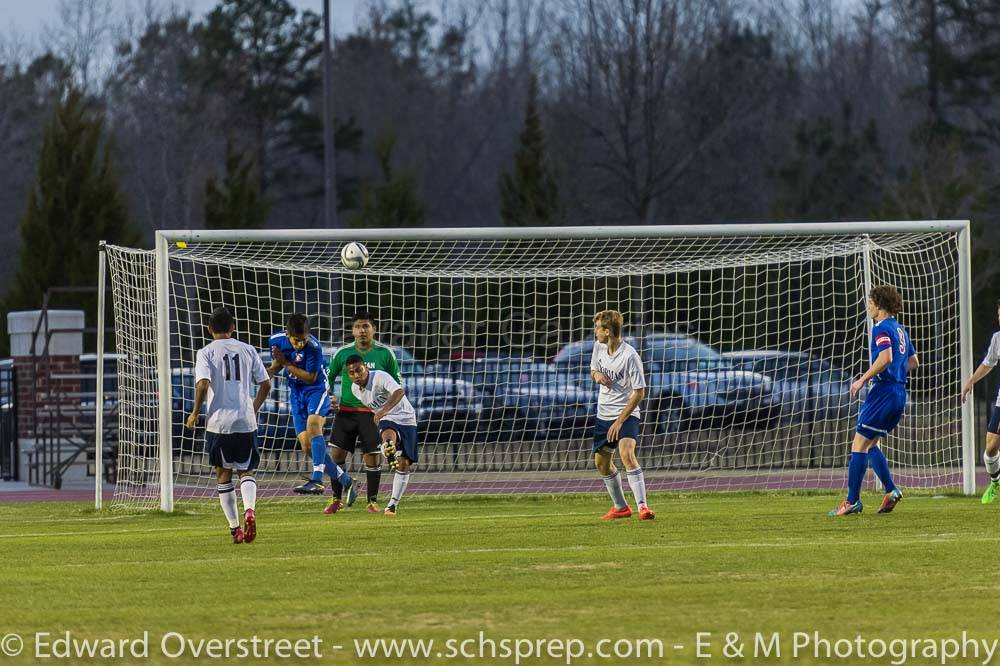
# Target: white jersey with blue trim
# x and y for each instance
(624, 369)
(992, 356)
(233, 369)
(380, 387)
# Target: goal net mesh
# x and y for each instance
(749, 345)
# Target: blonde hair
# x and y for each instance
(611, 320)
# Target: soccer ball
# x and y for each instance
(354, 256)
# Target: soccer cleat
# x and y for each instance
(845, 508)
(249, 526)
(614, 514)
(310, 488)
(335, 505)
(990, 495)
(645, 513)
(237, 534)
(390, 510)
(352, 492)
(372, 507)
(890, 501)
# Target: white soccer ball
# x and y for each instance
(354, 256)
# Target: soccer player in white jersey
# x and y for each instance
(394, 417)
(991, 456)
(616, 366)
(225, 371)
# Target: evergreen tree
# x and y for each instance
(75, 203)
(529, 196)
(392, 203)
(237, 204)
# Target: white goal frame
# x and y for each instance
(165, 239)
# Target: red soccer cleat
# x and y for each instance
(645, 513)
(249, 526)
(615, 514)
(334, 506)
(237, 534)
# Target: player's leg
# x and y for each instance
(400, 446)
(628, 438)
(317, 406)
(856, 469)
(991, 456)
(880, 466)
(299, 407)
(636, 480)
(344, 441)
(371, 447)
(224, 477)
(603, 452)
(249, 455)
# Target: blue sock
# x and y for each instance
(336, 472)
(855, 475)
(318, 456)
(881, 468)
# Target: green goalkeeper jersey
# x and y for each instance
(379, 357)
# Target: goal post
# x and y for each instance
(748, 334)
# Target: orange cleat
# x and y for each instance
(237, 534)
(615, 514)
(645, 513)
(334, 506)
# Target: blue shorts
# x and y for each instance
(629, 430)
(406, 438)
(304, 404)
(881, 410)
(994, 426)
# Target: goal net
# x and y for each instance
(750, 338)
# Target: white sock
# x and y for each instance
(399, 482)
(992, 464)
(248, 491)
(613, 482)
(227, 498)
(319, 468)
(638, 484)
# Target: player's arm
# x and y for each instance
(263, 379)
(333, 371)
(980, 372)
(595, 372)
(989, 362)
(392, 367)
(396, 397)
(200, 391)
(912, 363)
(306, 374)
(882, 361)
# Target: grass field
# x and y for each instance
(514, 568)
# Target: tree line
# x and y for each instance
(489, 112)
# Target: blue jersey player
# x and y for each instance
(892, 358)
(300, 355)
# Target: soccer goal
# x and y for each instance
(750, 337)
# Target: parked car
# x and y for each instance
(806, 387)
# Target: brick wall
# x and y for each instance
(38, 387)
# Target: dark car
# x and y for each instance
(692, 386)
(689, 384)
(807, 388)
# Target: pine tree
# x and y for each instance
(75, 203)
(393, 202)
(237, 204)
(529, 196)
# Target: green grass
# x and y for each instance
(538, 567)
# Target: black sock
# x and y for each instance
(338, 490)
(374, 475)
(995, 475)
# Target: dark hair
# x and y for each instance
(221, 320)
(364, 315)
(354, 359)
(298, 324)
(886, 297)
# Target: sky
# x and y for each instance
(29, 17)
